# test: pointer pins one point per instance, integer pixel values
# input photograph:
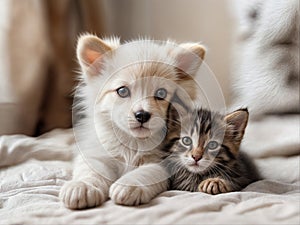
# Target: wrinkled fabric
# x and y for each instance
(34, 169)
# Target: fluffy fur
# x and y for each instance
(205, 155)
(267, 56)
(119, 156)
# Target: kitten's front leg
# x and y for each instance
(139, 186)
(215, 186)
(89, 186)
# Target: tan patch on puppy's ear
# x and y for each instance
(90, 56)
(197, 49)
(190, 57)
(90, 50)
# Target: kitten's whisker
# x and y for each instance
(225, 166)
(225, 175)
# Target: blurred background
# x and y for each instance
(38, 40)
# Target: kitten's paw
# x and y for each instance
(129, 195)
(214, 186)
(79, 195)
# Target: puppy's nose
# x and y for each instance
(142, 116)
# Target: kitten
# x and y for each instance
(205, 154)
(124, 96)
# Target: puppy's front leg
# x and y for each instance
(90, 184)
(139, 186)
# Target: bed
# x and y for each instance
(34, 169)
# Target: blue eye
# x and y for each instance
(123, 92)
(187, 141)
(212, 145)
(161, 94)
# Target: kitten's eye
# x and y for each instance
(123, 92)
(161, 94)
(212, 145)
(187, 141)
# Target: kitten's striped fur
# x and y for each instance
(219, 170)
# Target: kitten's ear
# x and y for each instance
(190, 58)
(238, 121)
(90, 51)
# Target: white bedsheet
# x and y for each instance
(33, 170)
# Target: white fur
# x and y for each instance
(267, 55)
(114, 161)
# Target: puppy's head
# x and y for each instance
(132, 85)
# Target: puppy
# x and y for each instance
(124, 96)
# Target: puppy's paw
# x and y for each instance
(129, 195)
(214, 186)
(79, 195)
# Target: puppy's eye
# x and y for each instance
(161, 94)
(123, 92)
(212, 145)
(187, 141)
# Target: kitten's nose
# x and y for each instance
(196, 157)
(142, 116)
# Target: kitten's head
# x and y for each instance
(132, 84)
(206, 138)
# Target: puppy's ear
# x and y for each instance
(90, 52)
(190, 57)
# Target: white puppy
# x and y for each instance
(125, 92)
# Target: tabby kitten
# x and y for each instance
(204, 152)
